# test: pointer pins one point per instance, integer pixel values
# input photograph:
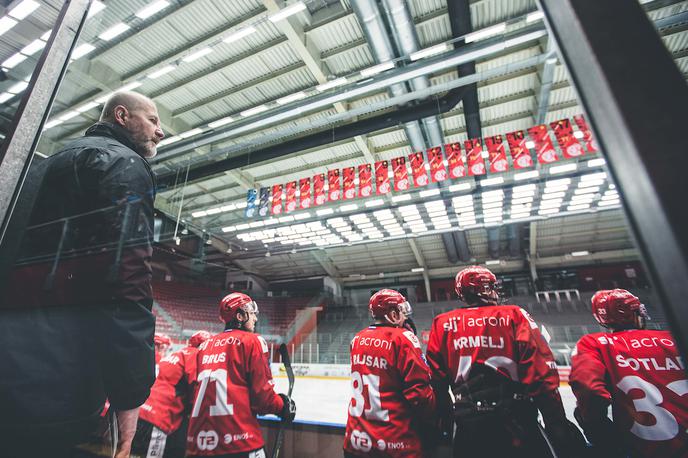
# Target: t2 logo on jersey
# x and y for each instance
(207, 440)
(361, 441)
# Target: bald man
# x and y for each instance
(77, 326)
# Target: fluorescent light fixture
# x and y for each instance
(553, 195)
(271, 221)
(492, 262)
(169, 140)
(522, 200)
(583, 198)
(69, 115)
(534, 16)
(485, 33)
(331, 84)
(434, 205)
(241, 227)
(429, 192)
(563, 168)
(162, 71)
(46, 35)
(596, 162)
(198, 54)
(459, 187)
(492, 196)
(379, 68)
(6, 23)
(285, 219)
(492, 181)
(254, 110)
(5, 96)
(228, 208)
(492, 211)
(228, 229)
(526, 175)
(374, 203)
(431, 51)
(555, 203)
(578, 207)
(324, 211)
(103, 98)
(401, 198)
(589, 184)
(33, 47)
(23, 9)
(610, 197)
(524, 187)
(18, 87)
(241, 204)
(239, 34)
(286, 12)
(359, 217)
(130, 86)
(594, 176)
(580, 253)
(199, 214)
(497, 204)
(604, 203)
(291, 98)
(96, 7)
(151, 9)
(190, 133)
(302, 215)
(220, 122)
(82, 50)
(364, 226)
(548, 211)
(53, 123)
(348, 208)
(114, 31)
(530, 144)
(216, 210)
(561, 182)
(14, 60)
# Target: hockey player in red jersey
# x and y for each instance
(234, 383)
(639, 373)
(501, 371)
(162, 342)
(161, 429)
(390, 383)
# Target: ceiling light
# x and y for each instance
(23, 9)
(324, 211)
(593, 176)
(169, 140)
(239, 34)
(18, 87)
(379, 68)
(492, 262)
(522, 200)
(33, 47)
(580, 253)
(520, 215)
(162, 71)
(492, 181)
(558, 183)
(228, 228)
(197, 55)
(605, 203)
(553, 195)
(254, 110)
(610, 197)
(429, 192)
(431, 51)
(331, 84)
(114, 31)
(589, 184)
(151, 9)
(96, 7)
(228, 208)
(374, 203)
(582, 198)
(556, 203)
(578, 207)
(286, 12)
(563, 168)
(285, 219)
(492, 196)
(191, 133)
(485, 33)
(291, 98)
(68, 115)
(199, 214)
(53, 123)
(220, 122)
(548, 211)
(526, 175)
(336, 222)
(82, 50)
(596, 162)
(578, 134)
(6, 23)
(401, 198)
(534, 16)
(348, 208)
(130, 86)
(5, 96)
(459, 187)
(14, 60)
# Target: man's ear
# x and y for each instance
(121, 115)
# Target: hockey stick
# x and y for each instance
(547, 441)
(284, 353)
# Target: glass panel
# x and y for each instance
(288, 172)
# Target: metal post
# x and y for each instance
(317, 352)
(639, 114)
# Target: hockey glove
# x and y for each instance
(289, 410)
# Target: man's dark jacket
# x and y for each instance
(79, 329)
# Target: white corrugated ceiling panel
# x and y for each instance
(349, 61)
(420, 8)
(517, 85)
(436, 30)
(336, 34)
(487, 12)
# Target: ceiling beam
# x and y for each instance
(327, 264)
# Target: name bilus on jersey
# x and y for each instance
(390, 384)
(234, 383)
(643, 377)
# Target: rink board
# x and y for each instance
(325, 400)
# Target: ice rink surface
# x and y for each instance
(325, 400)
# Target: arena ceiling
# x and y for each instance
(254, 93)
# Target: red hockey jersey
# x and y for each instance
(390, 384)
(503, 336)
(234, 383)
(165, 406)
(641, 374)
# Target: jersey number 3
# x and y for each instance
(358, 401)
(666, 426)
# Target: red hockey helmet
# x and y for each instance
(386, 300)
(617, 308)
(478, 281)
(198, 338)
(232, 303)
(161, 340)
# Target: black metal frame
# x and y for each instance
(637, 101)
